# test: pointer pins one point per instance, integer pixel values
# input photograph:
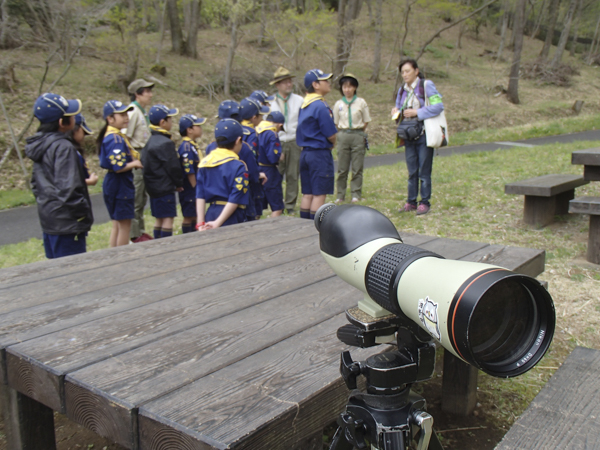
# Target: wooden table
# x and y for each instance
(565, 415)
(200, 341)
(590, 159)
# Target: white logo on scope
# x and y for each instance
(428, 314)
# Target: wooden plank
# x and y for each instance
(593, 250)
(459, 386)
(565, 415)
(589, 157)
(295, 385)
(145, 267)
(539, 211)
(591, 173)
(146, 373)
(546, 185)
(416, 239)
(92, 261)
(50, 357)
(527, 261)
(453, 248)
(585, 205)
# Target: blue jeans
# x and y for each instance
(419, 161)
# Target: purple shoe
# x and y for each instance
(407, 207)
(422, 209)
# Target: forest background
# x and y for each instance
(201, 52)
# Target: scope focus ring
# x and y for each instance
(385, 269)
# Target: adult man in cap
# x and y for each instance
(289, 105)
(316, 134)
(138, 132)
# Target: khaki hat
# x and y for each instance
(281, 74)
(136, 85)
(347, 75)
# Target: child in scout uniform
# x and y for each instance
(190, 128)
(138, 133)
(316, 134)
(223, 180)
(251, 112)
(119, 158)
(58, 180)
(77, 135)
(351, 116)
(228, 109)
(269, 154)
(162, 171)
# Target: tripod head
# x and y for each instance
(387, 415)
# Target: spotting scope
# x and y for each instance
(499, 321)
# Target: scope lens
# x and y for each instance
(504, 324)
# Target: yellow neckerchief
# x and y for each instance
(160, 130)
(310, 98)
(247, 123)
(217, 157)
(112, 130)
(187, 139)
(265, 125)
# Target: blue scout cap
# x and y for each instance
(50, 107)
(276, 117)
(115, 107)
(160, 112)
(262, 96)
(250, 107)
(315, 75)
(228, 109)
(189, 120)
(227, 131)
(80, 120)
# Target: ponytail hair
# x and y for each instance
(100, 137)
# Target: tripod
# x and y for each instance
(387, 416)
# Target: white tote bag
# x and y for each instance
(436, 128)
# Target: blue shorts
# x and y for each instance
(316, 172)
(119, 209)
(214, 211)
(273, 189)
(163, 207)
(59, 245)
(188, 204)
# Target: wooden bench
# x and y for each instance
(591, 206)
(590, 159)
(212, 340)
(545, 196)
(565, 415)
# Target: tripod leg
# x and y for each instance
(434, 442)
(393, 440)
(339, 441)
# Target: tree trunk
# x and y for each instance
(161, 18)
(4, 33)
(132, 45)
(371, 20)
(591, 52)
(504, 28)
(536, 28)
(339, 51)
(554, 6)
(230, 55)
(263, 23)
(462, 29)
(145, 14)
(513, 83)
(192, 32)
(564, 36)
(576, 28)
(377, 53)
(176, 34)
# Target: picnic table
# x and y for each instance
(220, 339)
(590, 159)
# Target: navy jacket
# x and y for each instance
(162, 171)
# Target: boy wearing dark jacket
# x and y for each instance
(58, 180)
(162, 171)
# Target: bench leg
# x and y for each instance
(459, 386)
(593, 251)
(539, 211)
(28, 424)
(562, 202)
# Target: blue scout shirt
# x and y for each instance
(269, 147)
(189, 159)
(250, 138)
(115, 153)
(315, 124)
(222, 177)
